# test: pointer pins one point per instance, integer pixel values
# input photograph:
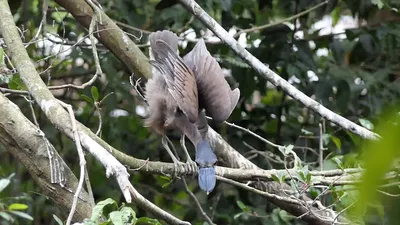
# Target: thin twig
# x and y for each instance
(82, 161)
(321, 148)
(258, 28)
(45, 6)
(89, 188)
(30, 102)
(262, 193)
(198, 205)
(97, 106)
(263, 139)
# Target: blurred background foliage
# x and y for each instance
(344, 54)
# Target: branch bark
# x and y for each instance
(60, 118)
(21, 138)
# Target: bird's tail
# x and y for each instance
(206, 159)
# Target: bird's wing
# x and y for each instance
(215, 95)
(180, 79)
(167, 36)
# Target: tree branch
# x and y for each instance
(60, 118)
(23, 140)
(271, 76)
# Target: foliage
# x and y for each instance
(10, 207)
(107, 213)
(355, 73)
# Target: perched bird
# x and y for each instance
(180, 92)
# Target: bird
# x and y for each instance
(180, 93)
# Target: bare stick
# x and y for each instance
(97, 106)
(198, 205)
(82, 161)
(321, 148)
(254, 190)
(258, 28)
(271, 76)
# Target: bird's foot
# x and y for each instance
(180, 169)
(191, 167)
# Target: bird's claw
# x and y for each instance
(180, 168)
(191, 167)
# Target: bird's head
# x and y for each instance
(205, 158)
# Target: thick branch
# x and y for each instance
(22, 139)
(111, 36)
(271, 76)
(60, 118)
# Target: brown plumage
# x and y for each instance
(215, 95)
(179, 91)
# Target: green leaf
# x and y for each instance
(378, 159)
(22, 215)
(275, 178)
(378, 3)
(308, 178)
(337, 142)
(98, 209)
(242, 206)
(147, 221)
(95, 93)
(128, 215)
(6, 216)
(58, 220)
(116, 218)
(17, 206)
(366, 123)
(16, 83)
(237, 215)
(86, 98)
(338, 161)
(168, 181)
(335, 14)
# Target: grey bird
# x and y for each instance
(179, 92)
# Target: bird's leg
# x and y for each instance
(177, 169)
(191, 165)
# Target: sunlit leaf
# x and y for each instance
(128, 215)
(4, 183)
(98, 209)
(6, 216)
(17, 206)
(366, 123)
(378, 157)
(58, 220)
(378, 3)
(116, 218)
(22, 215)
